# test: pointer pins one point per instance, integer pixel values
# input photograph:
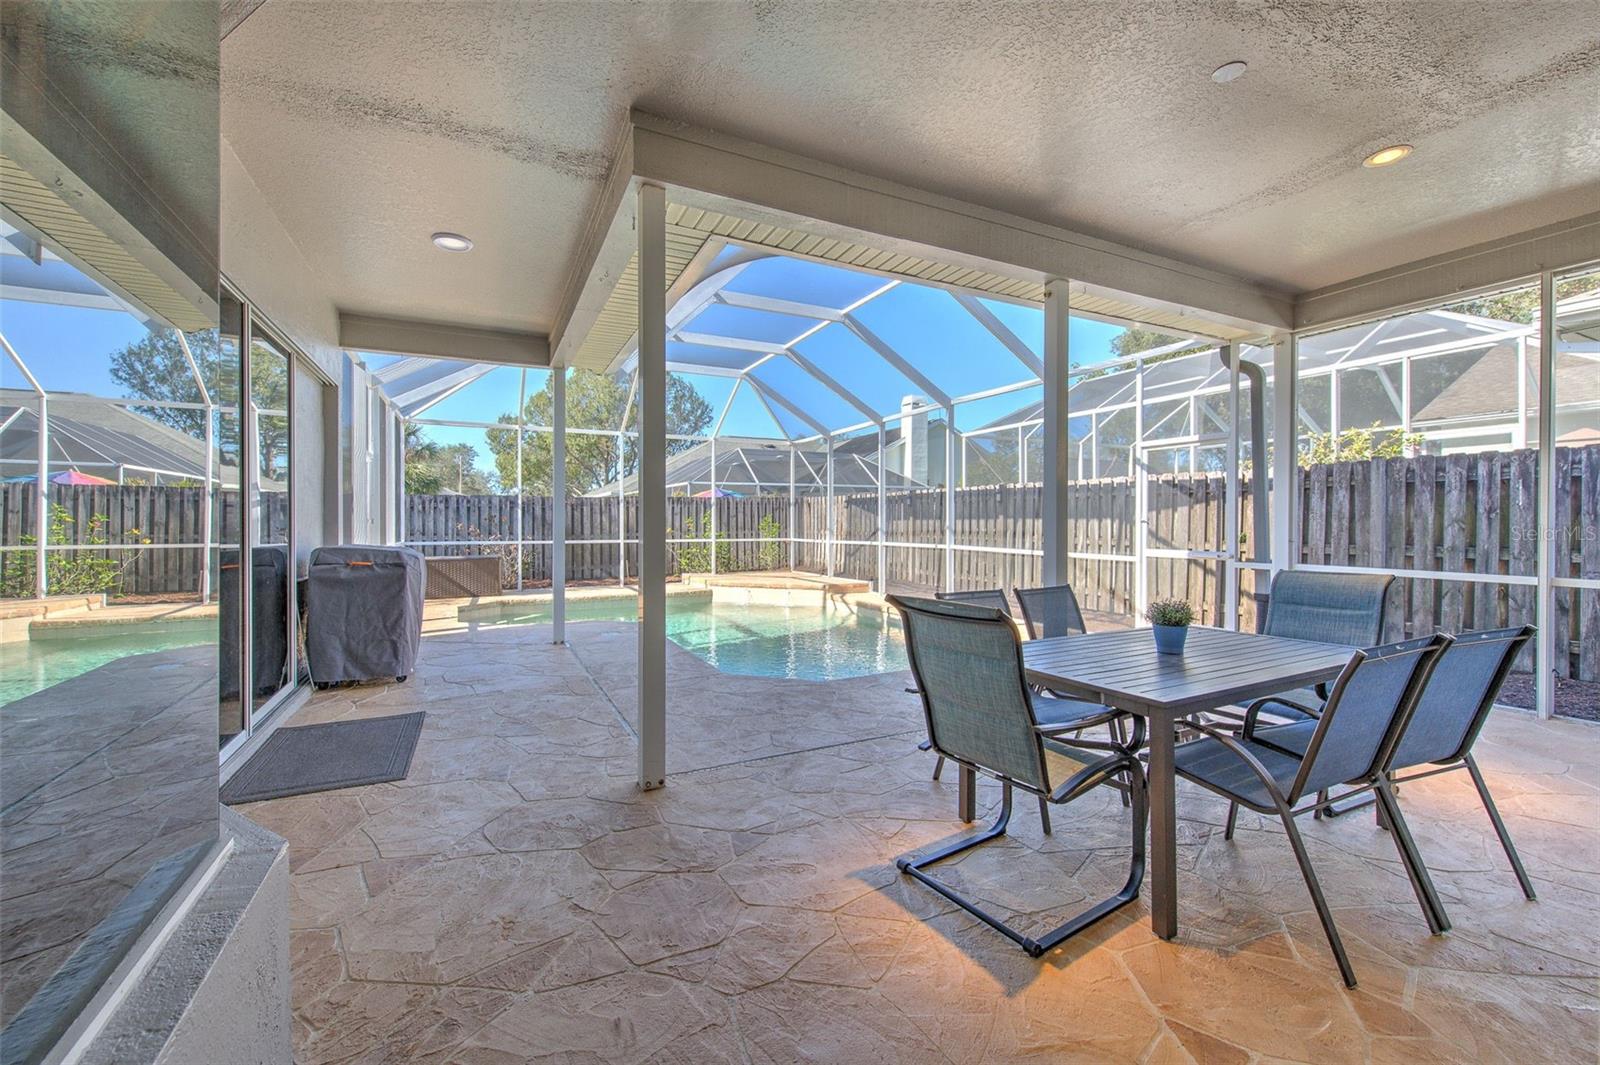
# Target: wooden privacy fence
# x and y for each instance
(1473, 514)
(596, 544)
(135, 515)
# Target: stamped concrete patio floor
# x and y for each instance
(516, 899)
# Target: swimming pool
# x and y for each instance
(798, 642)
(28, 666)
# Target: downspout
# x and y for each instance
(1260, 514)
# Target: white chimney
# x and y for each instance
(914, 440)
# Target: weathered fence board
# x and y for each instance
(1463, 513)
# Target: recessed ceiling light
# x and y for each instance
(1385, 156)
(1229, 72)
(451, 242)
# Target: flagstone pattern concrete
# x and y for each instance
(518, 899)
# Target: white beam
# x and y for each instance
(1548, 640)
(1286, 442)
(712, 340)
(767, 185)
(652, 385)
(1454, 275)
(1001, 332)
(889, 355)
(833, 386)
(775, 397)
(1055, 565)
(441, 340)
(774, 305)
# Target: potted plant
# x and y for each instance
(1171, 619)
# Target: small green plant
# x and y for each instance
(1174, 612)
(695, 556)
(1356, 445)
(770, 551)
(70, 572)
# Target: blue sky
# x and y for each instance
(69, 349)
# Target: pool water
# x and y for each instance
(28, 666)
(805, 643)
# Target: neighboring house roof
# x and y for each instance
(1481, 390)
(98, 436)
(746, 463)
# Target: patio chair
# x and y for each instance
(1051, 611)
(1325, 608)
(980, 714)
(1059, 712)
(1348, 741)
(990, 597)
(1451, 713)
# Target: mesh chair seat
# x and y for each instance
(1055, 712)
(1208, 761)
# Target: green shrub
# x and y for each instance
(69, 572)
(1169, 612)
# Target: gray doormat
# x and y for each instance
(341, 754)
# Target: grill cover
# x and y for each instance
(364, 612)
(269, 622)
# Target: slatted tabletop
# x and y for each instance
(1217, 668)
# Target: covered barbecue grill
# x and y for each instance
(363, 612)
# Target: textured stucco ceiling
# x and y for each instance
(368, 125)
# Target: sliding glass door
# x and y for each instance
(257, 599)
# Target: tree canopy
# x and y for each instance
(594, 401)
(153, 367)
(433, 468)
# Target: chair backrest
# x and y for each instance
(994, 598)
(968, 664)
(1328, 607)
(1051, 611)
(1366, 712)
(1452, 708)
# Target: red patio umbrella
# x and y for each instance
(76, 477)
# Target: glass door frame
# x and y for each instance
(253, 324)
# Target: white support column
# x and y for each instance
(1231, 354)
(652, 451)
(41, 580)
(1141, 498)
(883, 517)
(401, 460)
(558, 503)
(1285, 438)
(210, 464)
(949, 498)
(713, 505)
(1055, 433)
(793, 509)
(521, 533)
(827, 535)
(1519, 435)
(1545, 644)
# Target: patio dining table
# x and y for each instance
(1218, 668)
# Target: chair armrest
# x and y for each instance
(1066, 734)
(1096, 773)
(1237, 748)
(1256, 707)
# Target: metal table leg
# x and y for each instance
(1163, 830)
(967, 795)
